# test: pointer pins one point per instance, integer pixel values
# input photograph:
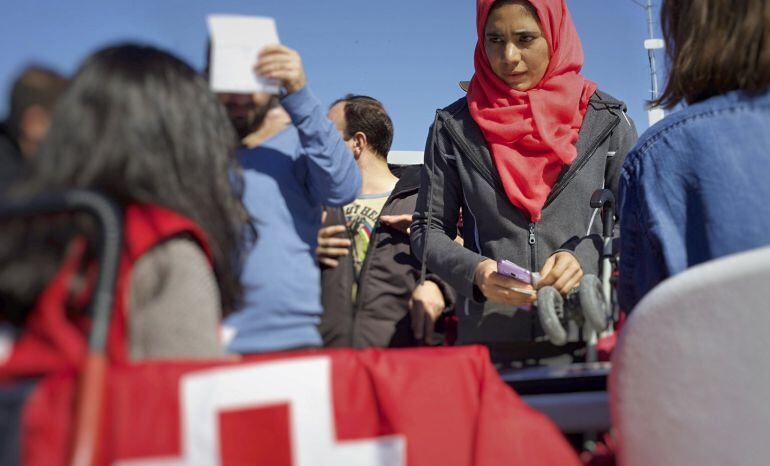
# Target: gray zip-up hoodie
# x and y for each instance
(459, 173)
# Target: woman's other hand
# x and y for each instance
(500, 289)
(561, 271)
(425, 307)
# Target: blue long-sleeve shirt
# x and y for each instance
(695, 188)
(287, 179)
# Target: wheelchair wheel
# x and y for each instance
(592, 303)
(550, 310)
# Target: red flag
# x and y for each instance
(442, 406)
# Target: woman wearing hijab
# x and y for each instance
(521, 155)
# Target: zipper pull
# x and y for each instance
(531, 233)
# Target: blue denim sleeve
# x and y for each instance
(647, 226)
(333, 178)
(630, 226)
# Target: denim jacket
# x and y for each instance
(695, 187)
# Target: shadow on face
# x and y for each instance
(247, 111)
(517, 50)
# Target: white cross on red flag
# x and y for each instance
(432, 407)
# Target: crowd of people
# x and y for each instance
(257, 222)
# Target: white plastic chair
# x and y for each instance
(690, 383)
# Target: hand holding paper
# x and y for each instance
(235, 44)
(280, 63)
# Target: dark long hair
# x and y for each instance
(713, 47)
(140, 126)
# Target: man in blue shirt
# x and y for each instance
(294, 162)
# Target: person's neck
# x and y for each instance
(376, 177)
(276, 120)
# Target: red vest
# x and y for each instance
(52, 340)
(470, 419)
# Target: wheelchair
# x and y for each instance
(591, 304)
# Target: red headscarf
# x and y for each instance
(532, 134)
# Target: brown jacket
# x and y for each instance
(379, 316)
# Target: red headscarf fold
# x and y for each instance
(532, 134)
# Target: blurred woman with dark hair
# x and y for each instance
(695, 187)
(140, 126)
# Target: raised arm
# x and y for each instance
(333, 178)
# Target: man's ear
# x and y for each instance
(359, 144)
(34, 122)
(34, 125)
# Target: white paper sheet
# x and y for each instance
(235, 43)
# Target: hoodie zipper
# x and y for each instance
(532, 247)
(580, 163)
(560, 186)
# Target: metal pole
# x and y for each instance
(654, 114)
(651, 52)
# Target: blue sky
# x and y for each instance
(408, 53)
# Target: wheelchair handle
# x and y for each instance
(605, 200)
(88, 416)
(110, 222)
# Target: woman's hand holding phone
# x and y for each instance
(500, 289)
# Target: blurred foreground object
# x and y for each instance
(46, 345)
(690, 372)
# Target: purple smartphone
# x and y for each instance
(509, 269)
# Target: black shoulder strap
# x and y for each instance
(431, 147)
(614, 143)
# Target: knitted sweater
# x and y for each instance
(174, 304)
